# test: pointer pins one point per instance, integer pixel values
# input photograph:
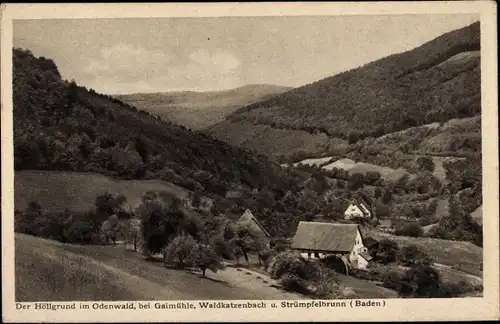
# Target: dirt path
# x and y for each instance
(124, 275)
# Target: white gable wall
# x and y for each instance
(362, 263)
(354, 211)
(358, 247)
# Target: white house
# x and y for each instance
(357, 209)
(321, 240)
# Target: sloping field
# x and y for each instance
(362, 167)
(453, 131)
(345, 164)
(442, 209)
(270, 141)
(364, 288)
(45, 272)
(314, 162)
(461, 58)
(463, 256)
(56, 191)
(52, 271)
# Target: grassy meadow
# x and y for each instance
(463, 256)
(77, 191)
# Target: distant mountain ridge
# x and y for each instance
(197, 110)
(434, 82)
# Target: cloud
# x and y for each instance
(125, 68)
(222, 60)
(128, 59)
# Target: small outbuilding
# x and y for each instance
(249, 221)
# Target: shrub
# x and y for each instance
(265, 257)
(412, 230)
(292, 282)
(421, 281)
(392, 280)
(303, 275)
(222, 247)
(179, 250)
(425, 163)
(450, 290)
(292, 263)
(387, 251)
(327, 285)
(412, 255)
(349, 293)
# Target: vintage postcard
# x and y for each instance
(234, 162)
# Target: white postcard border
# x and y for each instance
(486, 307)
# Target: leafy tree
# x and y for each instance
(411, 255)
(204, 257)
(392, 280)
(108, 204)
(161, 216)
(411, 229)
(113, 228)
(77, 230)
(179, 250)
(133, 231)
(353, 136)
(28, 222)
(458, 225)
(382, 210)
(421, 281)
(425, 163)
(372, 178)
(387, 196)
(387, 251)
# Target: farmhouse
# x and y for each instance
(357, 209)
(326, 240)
(249, 221)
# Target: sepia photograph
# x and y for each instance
(317, 160)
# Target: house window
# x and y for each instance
(316, 255)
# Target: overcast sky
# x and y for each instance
(166, 54)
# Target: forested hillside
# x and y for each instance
(61, 126)
(435, 82)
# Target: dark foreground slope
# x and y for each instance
(51, 271)
(435, 82)
(198, 110)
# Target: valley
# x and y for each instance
(199, 110)
(397, 140)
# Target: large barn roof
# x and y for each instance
(329, 237)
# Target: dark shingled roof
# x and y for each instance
(329, 237)
(248, 219)
(370, 241)
(366, 256)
